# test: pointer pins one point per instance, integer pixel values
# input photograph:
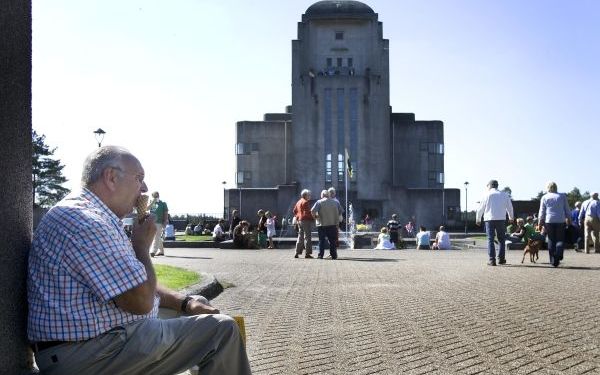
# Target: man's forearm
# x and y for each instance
(169, 298)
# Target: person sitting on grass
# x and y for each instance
(218, 233)
(423, 239)
(518, 234)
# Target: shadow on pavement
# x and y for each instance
(548, 265)
(370, 259)
(173, 256)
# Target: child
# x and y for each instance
(423, 239)
(270, 228)
(383, 241)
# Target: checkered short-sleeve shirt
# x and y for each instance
(79, 261)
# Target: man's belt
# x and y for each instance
(43, 345)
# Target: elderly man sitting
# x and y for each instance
(93, 295)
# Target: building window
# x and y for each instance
(245, 148)
(339, 35)
(340, 167)
(339, 62)
(432, 147)
(328, 168)
(329, 62)
(440, 178)
(243, 177)
(239, 149)
(349, 62)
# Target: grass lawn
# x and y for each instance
(174, 277)
(188, 238)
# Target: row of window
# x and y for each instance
(339, 61)
(436, 178)
(245, 148)
(243, 177)
(341, 168)
(432, 147)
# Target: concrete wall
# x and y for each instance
(15, 164)
(278, 200)
(268, 165)
(413, 157)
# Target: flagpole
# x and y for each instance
(346, 195)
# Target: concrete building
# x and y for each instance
(341, 108)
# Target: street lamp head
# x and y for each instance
(99, 133)
(466, 183)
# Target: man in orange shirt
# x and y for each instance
(305, 224)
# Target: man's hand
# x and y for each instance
(196, 308)
(478, 223)
(142, 235)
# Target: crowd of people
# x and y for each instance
(556, 223)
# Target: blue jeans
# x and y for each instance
(497, 228)
(556, 238)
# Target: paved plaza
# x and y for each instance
(408, 311)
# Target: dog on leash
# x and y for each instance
(532, 247)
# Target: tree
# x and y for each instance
(46, 173)
(575, 195)
(572, 196)
(538, 197)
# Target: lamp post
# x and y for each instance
(99, 136)
(466, 209)
(224, 205)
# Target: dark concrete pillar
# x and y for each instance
(15, 183)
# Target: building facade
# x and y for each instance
(341, 117)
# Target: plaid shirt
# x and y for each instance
(80, 260)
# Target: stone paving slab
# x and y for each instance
(408, 311)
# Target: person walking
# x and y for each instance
(589, 218)
(305, 222)
(271, 220)
(494, 207)
(327, 213)
(553, 215)
(159, 208)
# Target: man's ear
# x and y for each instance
(110, 178)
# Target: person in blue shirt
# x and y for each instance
(574, 232)
(423, 239)
(554, 214)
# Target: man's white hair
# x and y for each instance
(305, 193)
(101, 159)
(324, 194)
(331, 191)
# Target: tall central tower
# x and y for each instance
(340, 100)
(341, 106)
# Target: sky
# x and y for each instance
(516, 83)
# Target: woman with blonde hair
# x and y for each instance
(383, 241)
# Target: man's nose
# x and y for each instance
(144, 188)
